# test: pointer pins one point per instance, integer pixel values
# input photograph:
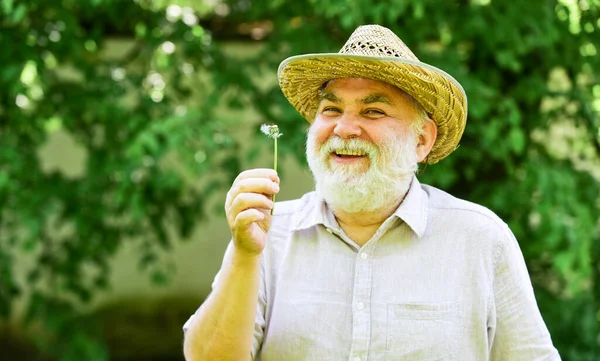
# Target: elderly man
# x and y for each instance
(372, 265)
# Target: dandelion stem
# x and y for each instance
(275, 158)
(274, 167)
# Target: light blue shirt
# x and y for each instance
(442, 279)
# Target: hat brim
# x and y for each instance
(442, 97)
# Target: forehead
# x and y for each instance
(360, 87)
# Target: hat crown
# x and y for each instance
(375, 40)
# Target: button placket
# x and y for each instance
(361, 313)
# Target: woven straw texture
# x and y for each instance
(375, 52)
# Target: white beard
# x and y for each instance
(350, 189)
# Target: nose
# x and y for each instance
(347, 126)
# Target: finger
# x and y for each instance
(246, 201)
(247, 217)
(258, 173)
(252, 185)
(255, 185)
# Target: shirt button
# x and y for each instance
(360, 305)
(364, 255)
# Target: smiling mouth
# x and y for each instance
(349, 154)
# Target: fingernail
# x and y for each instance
(276, 187)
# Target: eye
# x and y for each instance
(374, 112)
(331, 111)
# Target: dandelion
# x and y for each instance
(272, 131)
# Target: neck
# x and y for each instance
(361, 226)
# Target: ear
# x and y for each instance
(426, 139)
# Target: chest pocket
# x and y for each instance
(423, 331)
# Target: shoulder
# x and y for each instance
(289, 215)
(471, 223)
(449, 210)
(447, 203)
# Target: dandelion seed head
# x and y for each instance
(272, 131)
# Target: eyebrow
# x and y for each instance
(329, 96)
(369, 99)
(376, 98)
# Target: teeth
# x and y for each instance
(348, 152)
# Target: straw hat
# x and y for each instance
(375, 52)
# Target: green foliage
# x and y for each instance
(530, 70)
(132, 116)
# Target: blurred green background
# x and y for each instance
(123, 123)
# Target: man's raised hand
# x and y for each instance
(248, 205)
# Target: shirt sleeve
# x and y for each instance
(259, 322)
(518, 331)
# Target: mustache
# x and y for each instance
(336, 144)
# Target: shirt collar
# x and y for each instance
(313, 212)
(414, 208)
(413, 211)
